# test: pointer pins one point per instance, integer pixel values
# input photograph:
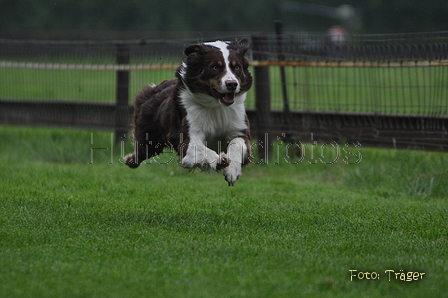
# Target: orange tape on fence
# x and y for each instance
(384, 64)
(129, 67)
(97, 67)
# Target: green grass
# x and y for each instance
(406, 90)
(73, 228)
(79, 85)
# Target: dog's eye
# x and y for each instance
(237, 67)
(215, 67)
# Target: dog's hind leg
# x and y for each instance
(133, 159)
(145, 147)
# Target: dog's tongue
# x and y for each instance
(228, 99)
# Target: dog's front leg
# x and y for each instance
(237, 152)
(199, 156)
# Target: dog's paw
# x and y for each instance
(205, 161)
(187, 162)
(130, 161)
(222, 162)
(191, 163)
(232, 173)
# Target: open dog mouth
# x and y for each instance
(227, 98)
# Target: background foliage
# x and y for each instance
(197, 16)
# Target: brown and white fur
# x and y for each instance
(200, 114)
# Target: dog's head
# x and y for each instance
(218, 69)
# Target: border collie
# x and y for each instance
(200, 114)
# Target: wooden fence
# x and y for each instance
(274, 115)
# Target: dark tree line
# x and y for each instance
(373, 16)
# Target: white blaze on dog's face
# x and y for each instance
(218, 69)
(227, 83)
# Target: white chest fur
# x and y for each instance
(209, 119)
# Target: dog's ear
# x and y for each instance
(195, 49)
(241, 46)
(244, 43)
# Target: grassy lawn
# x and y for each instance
(74, 222)
(406, 90)
(79, 85)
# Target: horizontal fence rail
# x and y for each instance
(128, 67)
(387, 64)
(97, 67)
(376, 90)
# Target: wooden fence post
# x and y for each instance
(122, 93)
(281, 57)
(262, 98)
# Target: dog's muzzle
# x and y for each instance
(228, 98)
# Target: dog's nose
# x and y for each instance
(231, 85)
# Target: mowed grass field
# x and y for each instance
(396, 90)
(75, 222)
